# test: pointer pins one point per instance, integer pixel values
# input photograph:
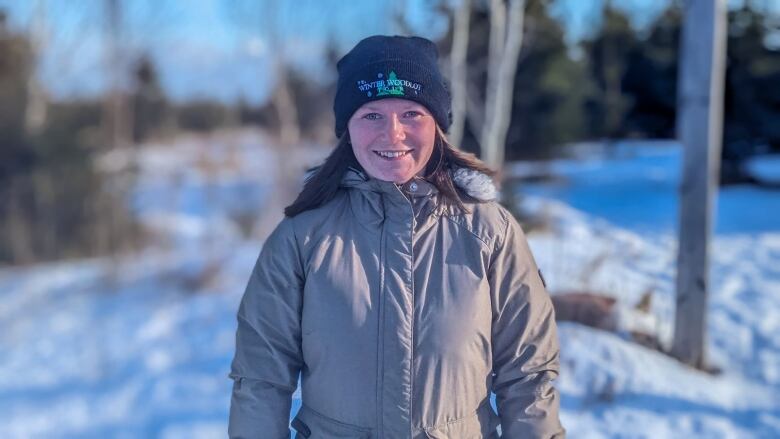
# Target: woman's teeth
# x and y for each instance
(391, 154)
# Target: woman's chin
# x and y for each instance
(398, 176)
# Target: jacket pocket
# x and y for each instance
(311, 424)
(481, 425)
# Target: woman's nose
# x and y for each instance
(395, 129)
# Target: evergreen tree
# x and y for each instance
(651, 79)
(607, 53)
(16, 63)
(52, 198)
(752, 100)
(151, 111)
(752, 95)
(550, 89)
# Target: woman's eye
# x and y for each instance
(413, 113)
(372, 116)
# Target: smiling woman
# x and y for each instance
(397, 287)
(392, 138)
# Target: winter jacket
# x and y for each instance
(401, 315)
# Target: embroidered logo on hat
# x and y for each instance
(392, 86)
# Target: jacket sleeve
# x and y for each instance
(525, 342)
(268, 354)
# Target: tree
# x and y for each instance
(151, 111)
(52, 196)
(118, 117)
(548, 88)
(607, 53)
(16, 158)
(650, 81)
(752, 99)
(506, 40)
(458, 70)
(35, 114)
(264, 20)
(549, 92)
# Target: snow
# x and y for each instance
(765, 167)
(140, 345)
(620, 241)
(614, 388)
(637, 188)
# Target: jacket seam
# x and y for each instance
(465, 227)
(502, 238)
(299, 255)
(238, 377)
(454, 421)
(380, 332)
(500, 241)
(330, 419)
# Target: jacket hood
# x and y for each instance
(474, 183)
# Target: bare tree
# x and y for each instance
(506, 40)
(495, 53)
(458, 72)
(289, 128)
(262, 19)
(17, 229)
(117, 114)
(35, 113)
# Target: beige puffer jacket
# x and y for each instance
(401, 317)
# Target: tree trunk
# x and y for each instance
(35, 112)
(118, 115)
(495, 53)
(503, 67)
(458, 80)
(18, 231)
(289, 130)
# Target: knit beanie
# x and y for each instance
(381, 67)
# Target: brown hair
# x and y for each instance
(323, 185)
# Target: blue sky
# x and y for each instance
(221, 48)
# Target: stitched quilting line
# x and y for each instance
(380, 330)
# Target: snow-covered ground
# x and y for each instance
(619, 240)
(614, 388)
(141, 346)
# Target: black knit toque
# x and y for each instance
(381, 67)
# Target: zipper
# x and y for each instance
(411, 319)
(380, 333)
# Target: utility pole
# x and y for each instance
(700, 126)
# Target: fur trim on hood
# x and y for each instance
(474, 183)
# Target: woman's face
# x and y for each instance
(392, 138)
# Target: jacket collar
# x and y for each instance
(474, 183)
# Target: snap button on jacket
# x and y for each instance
(401, 316)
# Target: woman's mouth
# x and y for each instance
(390, 155)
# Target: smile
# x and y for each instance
(392, 154)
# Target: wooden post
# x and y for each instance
(700, 126)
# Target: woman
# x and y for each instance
(396, 285)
